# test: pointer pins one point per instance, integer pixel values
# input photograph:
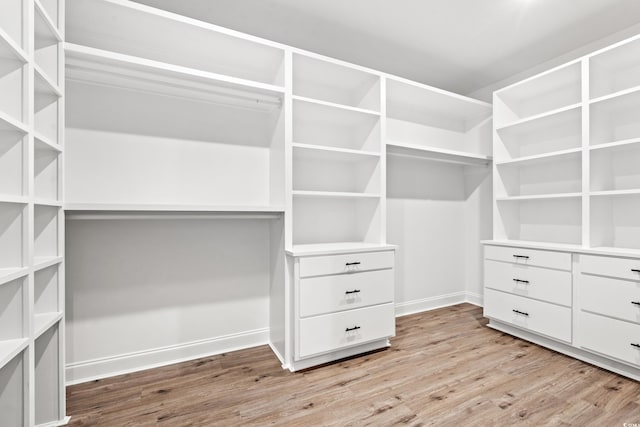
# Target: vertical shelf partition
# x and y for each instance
(31, 218)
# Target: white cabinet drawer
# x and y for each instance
(624, 268)
(522, 256)
(345, 263)
(321, 334)
(611, 297)
(541, 317)
(533, 282)
(610, 337)
(326, 294)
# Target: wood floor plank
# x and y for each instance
(445, 367)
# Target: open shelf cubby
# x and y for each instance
(556, 220)
(47, 43)
(13, 406)
(615, 168)
(548, 134)
(13, 226)
(12, 311)
(46, 172)
(52, 9)
(319, 220)
(325, 125)
(47, 109)
(540, 176)
(46, 290)
(48, 388)
(321, 170)
(615, 119)
(11, 22)
(13, 155)
(554, 89)
(341, 84)
(615, 222)
(615, 69)
(12, 81)
(422, 116)
(46, 225)
(200, 46)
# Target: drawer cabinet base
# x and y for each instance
(569, 350)
(333, 356)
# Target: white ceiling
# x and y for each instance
(458, 45)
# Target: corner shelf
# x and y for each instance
(437, 154)
(96, 66)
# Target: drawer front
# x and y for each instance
(522, 256)
(533, 282)
(610, 337)
(611, 297)
(321, 334)
(540, 317)
(326, 294)
(611, 266)
(345, 263)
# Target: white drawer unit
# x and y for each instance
(610, 337)
(547, 319)
(345, 263)
(610, 297)
(326, 294)
(330, 332)
(623, 268)
(532, 257)
(534, 282)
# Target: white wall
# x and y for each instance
(486, 93)
(142, 293)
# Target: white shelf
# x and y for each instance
(97, 66)
(437, 154)
(625, 142)
(8, 123)
(21, 200)
(541, 116)
(537, 157)
(106, 207)
(335, 195)
(540, 197)
(42, 262)
(42, 142)
(51, 203)
(612, 193)
(11, 348)
(337, 248)
(10, 274)
(42, 322)
(418, 103)
(322, 151)
(43, 84)
(337, 106)
(614, 95)
(10, 50)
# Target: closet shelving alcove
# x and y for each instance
(567, 197)
(31, 216)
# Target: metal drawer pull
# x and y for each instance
(521, 256)
(521, 281)
(352, 263)
(357, 291)
(635, 302)
(352, 329)
(635, 270)
(521, 312)
(635, 345)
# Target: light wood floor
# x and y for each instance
(445, 368)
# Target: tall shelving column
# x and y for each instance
(31, 222)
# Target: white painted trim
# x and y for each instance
(475, 299)
(62, 422)
(88, 370)
(426, 304)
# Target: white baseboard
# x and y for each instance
(440, 301)
(89, 370)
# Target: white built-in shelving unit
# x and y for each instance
(31, 215)
(567, 203)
